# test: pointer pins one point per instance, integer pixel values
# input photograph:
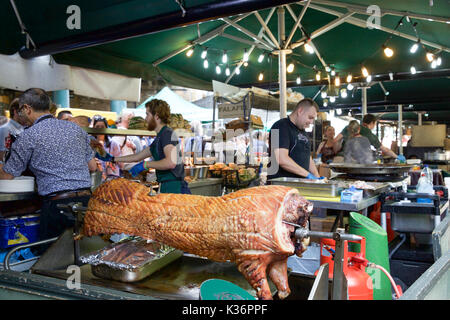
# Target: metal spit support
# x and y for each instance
(77, 209)
(339, 281)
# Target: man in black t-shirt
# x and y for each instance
(293, 152)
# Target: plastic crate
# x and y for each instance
(18, 230)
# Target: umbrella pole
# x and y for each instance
(364, 100)
(400, 127)
(282, 62)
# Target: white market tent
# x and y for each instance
(177, 104)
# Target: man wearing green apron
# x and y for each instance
(166, 157)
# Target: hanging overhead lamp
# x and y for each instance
(318, 75)
(261, 76)
(261, 58)
(365, 72)
(414, 47)
(309, 48)
(350, 86)
(290, 68)
(388, 52)
(227, 71)
(430, 56)
(218, 70)
(205, 64)
(225, 57)
(238, 71)
(298, 80)
(337, 81)
(413, 70)
(349, 78)
(190, 52)
(246, 55)
(204, 53)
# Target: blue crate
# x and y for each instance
(15, 231)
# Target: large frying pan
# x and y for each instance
(370, 169)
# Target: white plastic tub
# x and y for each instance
(17, 185)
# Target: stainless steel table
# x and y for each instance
(362, 205)
(345, 206)
(4, 197)
(206, 187)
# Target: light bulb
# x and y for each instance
(349, 113)
(205, 64)
(338, 112)
(438, 61)
(246, 55)
(299, 80)
(224, 57)
(261, 77)
(337, 82)
(238, 71)
(414, 48)
(349, 78)
(318, 76)
(413, 70)
(391, 76)
(218, 70)
(190, 52)
(325, 102)
(261, 58)
(430, 56)
(327, 69)
(308, 48)
(350, 86)
(434, 64)
(343, 93)
(333, 72)
(323, 94)
(365, 72)
(290, 68)
(227, 71)
(204, 53)
(388, 52)
(369, 78)
(245, 64)
(332, 99)
(386, 93)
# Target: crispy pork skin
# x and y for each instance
(244, 227)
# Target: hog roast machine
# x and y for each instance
(181, 279)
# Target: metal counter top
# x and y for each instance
(204, 182)
(346, 206)
(4, 197)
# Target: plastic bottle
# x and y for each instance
(424, 186)
(428, 172)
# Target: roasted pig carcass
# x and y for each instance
(245, 227)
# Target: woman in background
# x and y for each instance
(109, 170)
(357, 148)
(327, 150)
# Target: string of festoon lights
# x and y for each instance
(336, 87)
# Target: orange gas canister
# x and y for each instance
(359, 283)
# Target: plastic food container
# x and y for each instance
(17, 185)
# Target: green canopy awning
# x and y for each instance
(346, 47)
